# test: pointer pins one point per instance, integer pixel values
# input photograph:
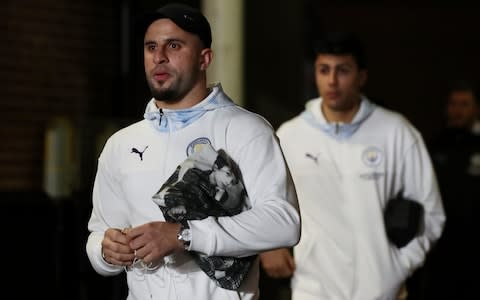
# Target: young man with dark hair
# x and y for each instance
(369, 199)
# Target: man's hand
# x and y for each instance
(153, 241)
(278, 263)
(115, 248)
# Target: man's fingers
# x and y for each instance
(118, 257)
(115, 249)
(117, 235)
(121, 260)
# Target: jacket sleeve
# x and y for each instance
(273, 220)
(106, 193)
(420, 183)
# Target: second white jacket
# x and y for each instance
(344, 175)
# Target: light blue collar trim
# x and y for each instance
(174, 119)
(340, 131)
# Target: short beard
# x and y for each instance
(168, 96)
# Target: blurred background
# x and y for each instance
(71, 73)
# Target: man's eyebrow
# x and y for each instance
(335, 65)
(167, 40)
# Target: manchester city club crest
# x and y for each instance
(197, 144)
(372, 156)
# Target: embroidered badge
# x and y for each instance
(372, 156)
(196, 145)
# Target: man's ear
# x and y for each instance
(205, 58)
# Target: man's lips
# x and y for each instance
(332, 95)
(161, 76)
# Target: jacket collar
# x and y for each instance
(314, 116)
(174, 119)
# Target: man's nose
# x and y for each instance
(160, 56)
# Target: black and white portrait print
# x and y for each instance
(207, 184)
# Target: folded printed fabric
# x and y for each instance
(207, 184)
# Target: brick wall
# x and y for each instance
(57, 58)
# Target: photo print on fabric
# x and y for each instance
(207, 184)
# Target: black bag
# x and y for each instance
(403, 220)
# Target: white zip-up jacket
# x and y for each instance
(138, 159)
(344, 176)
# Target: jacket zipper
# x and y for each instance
(161, 116)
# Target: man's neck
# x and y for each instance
(343, 116)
